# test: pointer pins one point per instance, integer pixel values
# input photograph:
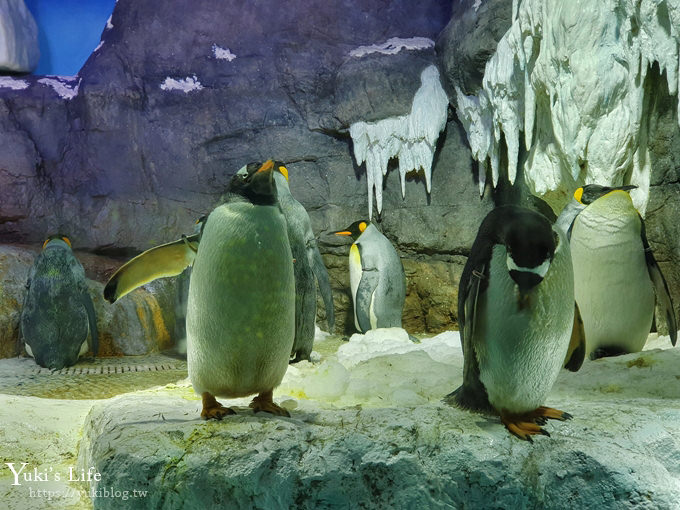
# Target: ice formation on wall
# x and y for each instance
(222, 53)
(109, 25)
(393, 46)
(571, 77)
(101, 43)
(186, 85)
(411, 138)
(8, 82)
(62, 85)
(19, 50)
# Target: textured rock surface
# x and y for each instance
(19, 51)
(141, 323)
(621, 450)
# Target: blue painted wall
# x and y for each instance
(68, 32)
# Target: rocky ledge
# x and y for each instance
(355, 441)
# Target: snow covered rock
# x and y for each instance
(19, 52)
(568, 81)
(394, 444)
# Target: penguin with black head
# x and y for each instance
(518, 319)
(308, 266)
(58, 312)
(376, 276)
(241, 307)
(617, 280)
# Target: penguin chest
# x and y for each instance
(241, 307)
(355, 273)
(520, 350)
(611, 280)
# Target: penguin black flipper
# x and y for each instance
(370, 278)
(663, 296)
(322, 279)
(92, 321)
(576, 353)
(472, 393)
(166, 260)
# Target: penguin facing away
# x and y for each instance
(518, 319)
(613, 262)
(58, 310)
(308, 266)
(377, 279)
(241, 308)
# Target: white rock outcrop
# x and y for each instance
(571, 76)
(412, 138)
(19, 51)
(355, 441)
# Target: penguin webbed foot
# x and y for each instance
(264, 402)
(212, 409)
(526, 425)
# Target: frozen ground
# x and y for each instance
(366, 420)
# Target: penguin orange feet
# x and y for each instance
(212, 409)
(264, 402)
(526, 425)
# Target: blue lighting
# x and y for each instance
(68, 32)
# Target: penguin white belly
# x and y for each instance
(520, 352)
(355, 272)
(241, 307)
(612, 284)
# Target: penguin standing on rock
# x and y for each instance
(518, 320)
(58, 310)
(617, 281)
(376, 277)
(241, 309)
(308, 266)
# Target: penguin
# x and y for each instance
(612, 262)
(241, 307)
(58, 312)
(376, 277)
(518, 319)
(308, 266)
(182, 298)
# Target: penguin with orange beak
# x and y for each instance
(617, 281)
(376, 276)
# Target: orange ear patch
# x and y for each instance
(284, 171)
(578, 194)
(67, 241)
(362, 226)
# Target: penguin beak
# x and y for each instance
(343, 233)
(267, 166)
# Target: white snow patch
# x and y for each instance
(109, 25)
(101, 43)
(411, 138)
(223, 53)
(186, 85)
(477, 4)
(64, 86)
(571, 77)
(319, 334)
(393, 46)
(8, 82)
(381, 368)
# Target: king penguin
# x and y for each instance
(376, 278)
(617, 280)
(308, 266)
(518, 319)
(241, 308)
(58, 310)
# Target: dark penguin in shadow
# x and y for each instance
(308, 265)
(58, 312)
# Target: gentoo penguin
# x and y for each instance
(182, 298)
(376, 278)
(241, 310)
(58, 310)
(308, 266)
(516, 313)
(616, 278)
